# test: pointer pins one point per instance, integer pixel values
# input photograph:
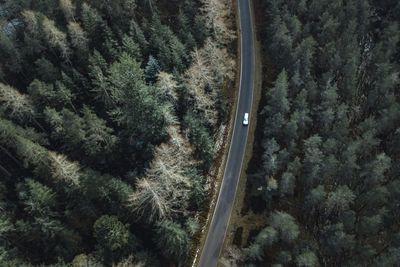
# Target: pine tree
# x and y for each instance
(267, 237)
(46, 70)
(307, 259)
(282, 43)
(42, 94)
(278, 96)
(38, 199)
(167, 48)
(137, 34)
(134, 101)
(55, 37)
(78, 37)
(287, 184)
(172, 240)
(279, 105)
(152, 70)
(312, 159)
(340, 199)
(131, 47)
(286, 226)
(67, 127)
(110, 233)
(99, 138)
(254, 252)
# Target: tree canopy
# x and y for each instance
(328, 136)
(109, 112)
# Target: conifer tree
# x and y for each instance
(172, 240)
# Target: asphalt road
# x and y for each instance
(223, 209)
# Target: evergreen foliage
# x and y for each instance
(329, 127)
(103, 140)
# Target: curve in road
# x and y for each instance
(223, 209)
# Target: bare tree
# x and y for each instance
(18, 105)
(198, 76)
(210, 68)
(181, 145)
(64, 169)
(218, 17)
(166, 84)
(165, 188)
(151, 200)
(199, 72)
(222, 65)
(68, 8)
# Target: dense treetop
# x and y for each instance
(108, 112)
(329, 170)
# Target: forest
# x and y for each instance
(327, 181)
(109, 113)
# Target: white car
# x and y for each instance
(246, 119)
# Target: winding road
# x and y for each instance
(226, 198)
